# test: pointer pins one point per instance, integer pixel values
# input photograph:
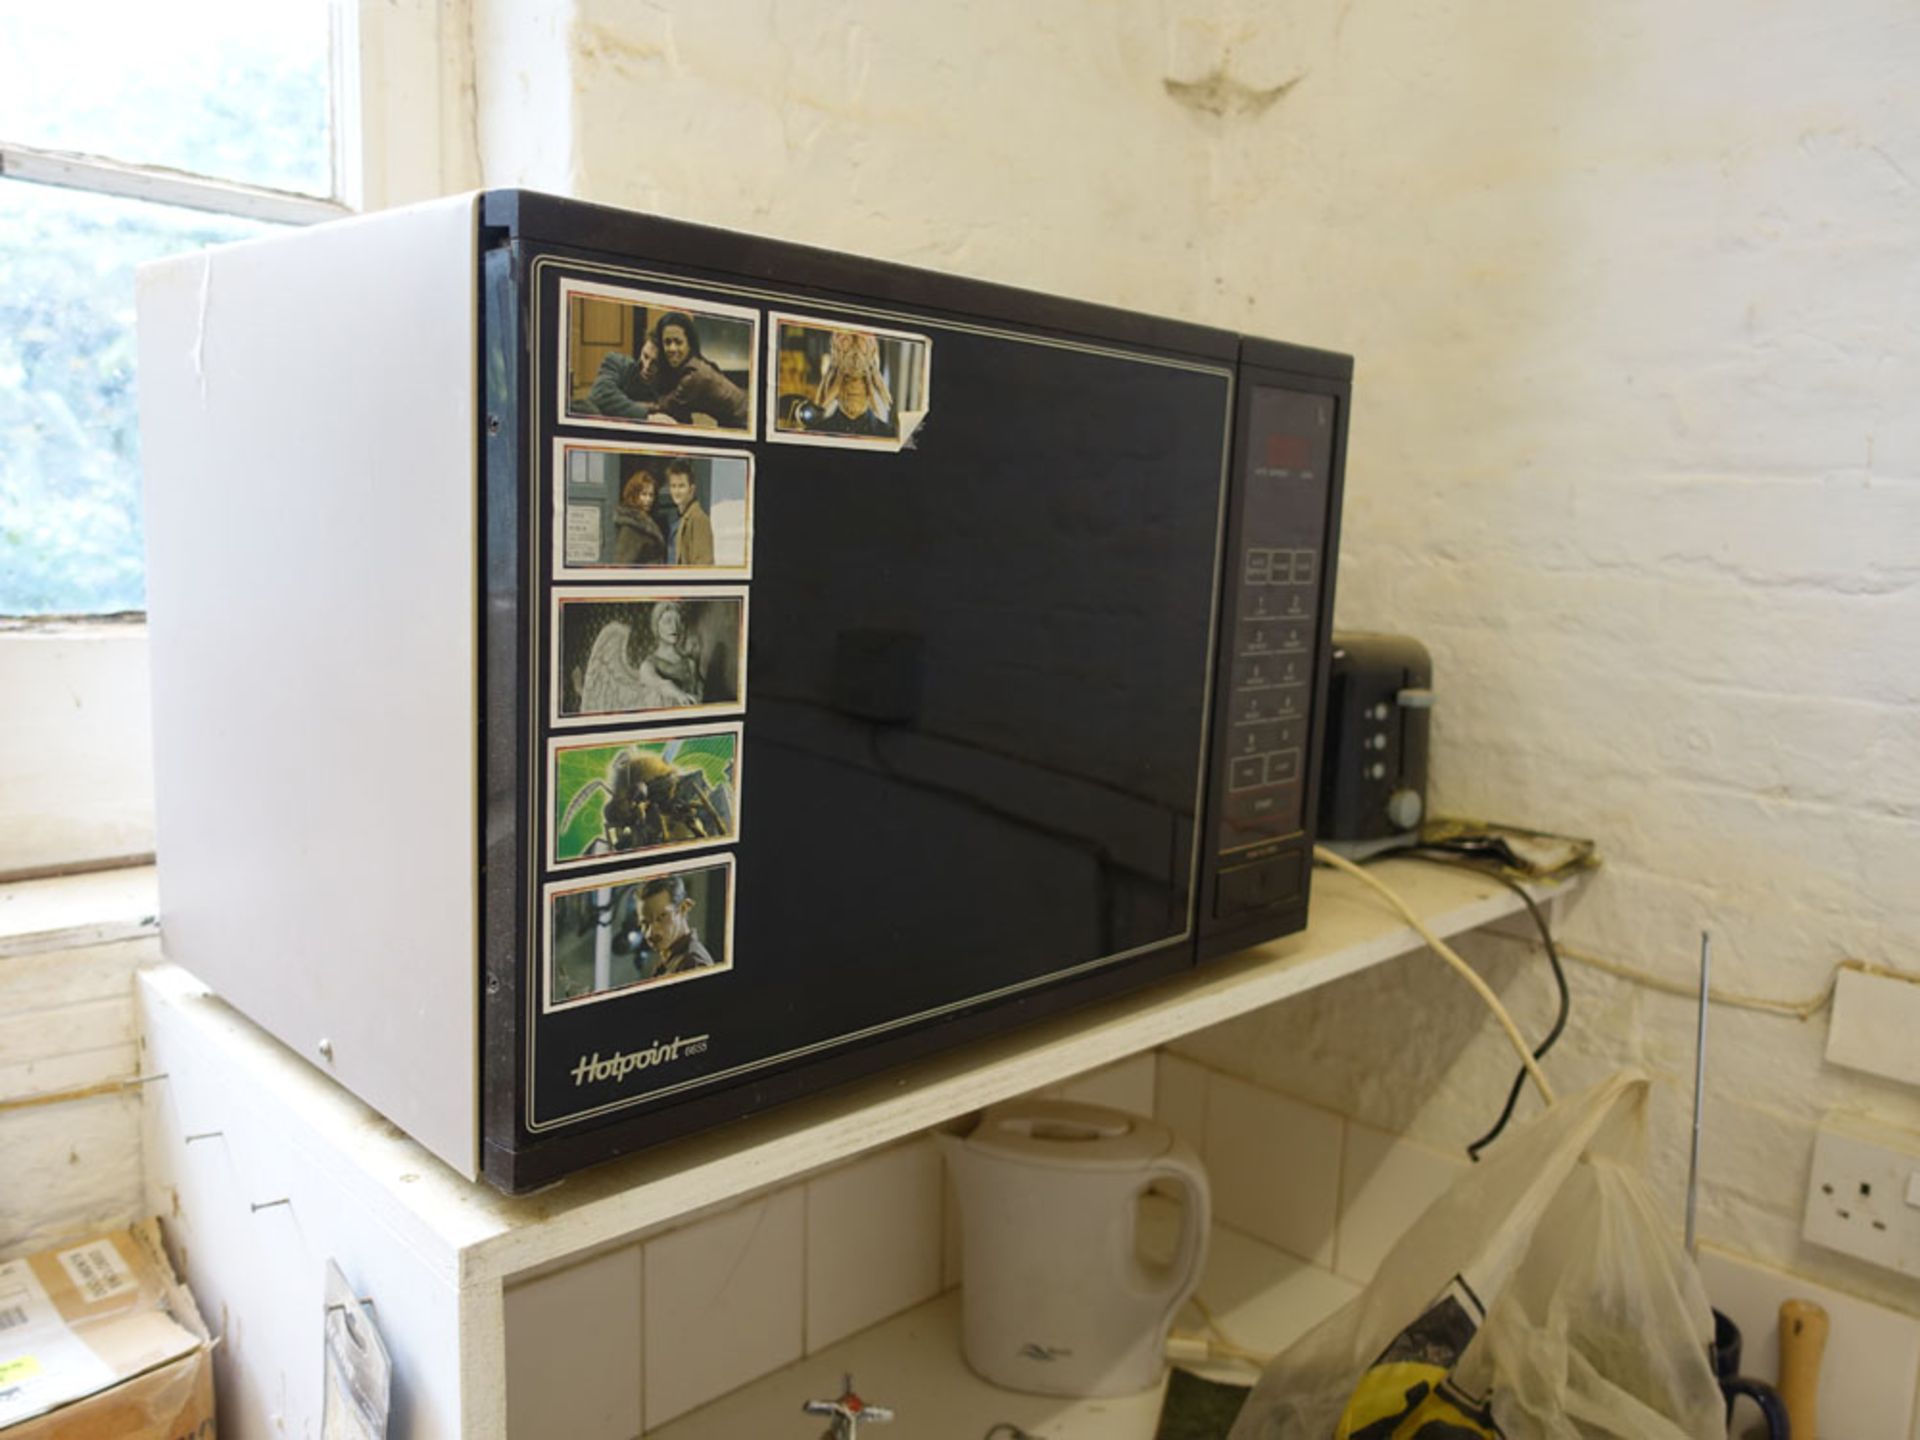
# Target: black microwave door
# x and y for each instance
(974, 735)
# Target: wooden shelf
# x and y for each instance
(494, 1234)
(358, 1187)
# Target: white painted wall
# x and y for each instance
(1634, 296)
(76, 763)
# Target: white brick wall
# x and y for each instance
(1633, 295)
(1635, 447)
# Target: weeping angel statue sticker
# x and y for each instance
(628, 653)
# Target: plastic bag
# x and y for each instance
(1544, 1295)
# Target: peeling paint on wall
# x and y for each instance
(1221, 95)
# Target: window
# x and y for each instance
(125, 135)
(128, 133)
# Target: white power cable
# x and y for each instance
(1326, 857)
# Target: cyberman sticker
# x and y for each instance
(649, 793)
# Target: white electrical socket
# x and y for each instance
(1863, 1198)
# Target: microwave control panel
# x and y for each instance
(1275, 608)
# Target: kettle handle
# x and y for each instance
(1196, 1216)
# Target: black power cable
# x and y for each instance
(1441, 855)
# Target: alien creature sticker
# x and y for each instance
(845, 383)
(651, 792)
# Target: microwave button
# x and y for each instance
(1283, 767)
(1255, 886)
(1259, 739)
(1247, 773)
(1254, 807)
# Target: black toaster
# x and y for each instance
(1373, 776)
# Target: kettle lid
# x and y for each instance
(1068, 1134)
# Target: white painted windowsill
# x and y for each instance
(70, 912)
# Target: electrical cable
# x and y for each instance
(1324, 856)
(1440, 855)
(1794, 1009)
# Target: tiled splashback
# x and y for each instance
(648, 1331)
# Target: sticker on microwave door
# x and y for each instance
(648, 653)
(837, 383)
(634, 512)
(632, 360)
(619, 933)
(646, 793)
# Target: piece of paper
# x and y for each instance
(42, 1362)
(359, 1374)
(583, 534)
(98, 1271)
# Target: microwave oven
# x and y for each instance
(611, 675)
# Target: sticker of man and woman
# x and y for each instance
(636, 929)
(635, 651)
(646, 509)
(837, 384)
(668, 378)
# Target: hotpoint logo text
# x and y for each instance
(622, 1064)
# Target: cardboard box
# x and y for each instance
(98, 1339)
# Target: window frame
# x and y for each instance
(76, 774)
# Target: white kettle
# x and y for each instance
(1055, 1298)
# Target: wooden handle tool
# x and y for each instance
(1803, 1342)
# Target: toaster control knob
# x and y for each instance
(1414, 698)
(1404, 808)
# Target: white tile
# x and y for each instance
(573, 1350)
(1124, 1085)
(1872, 1361)
(723, 1302)
(1261, 1300)
(1180, 1098)
(1385, 1185)
(950, 1272)
(1275, 1167)
(874, 1240)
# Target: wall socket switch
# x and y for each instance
(1863, 1198)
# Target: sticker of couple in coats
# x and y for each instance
(655, 362)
